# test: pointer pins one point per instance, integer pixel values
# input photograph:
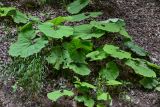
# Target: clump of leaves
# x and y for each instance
(17, 16)
(71, 48)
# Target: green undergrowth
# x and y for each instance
(54, 46)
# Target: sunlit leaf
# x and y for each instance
(116, 52)
(5, 11)
(78, 49)
(113, 82)
(86, 31)
(54, 96)
(58, 20)
(77, 6)
(19, 17)
(157, 88)
(113, 26)
(56, 57)
(104, 96)
(87, 101)
(135, 48)
(55, 31)
(97, 55)
(110, 72)
(152, 65)
(140, 68)
(82, 16)
(80, 69)
(27, 45)
(85, 84)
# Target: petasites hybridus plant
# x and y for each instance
(72, 47)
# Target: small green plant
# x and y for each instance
(72, 48)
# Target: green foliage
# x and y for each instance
(110, 72)
(140, 68)
(82, 16)
(17, 16)
(97, 55)
(79, 84)
(56, 57)
(70, 47)
(104, 96)
(81, 69)
(6, 11)
(116, 52)
(87, 101)
(135, 48)
(113, 82)
(86, 32)
(77, 6)
(29, 73)
(53, 31)
(54, 96)
(112, 25)
(27, 44)
(158, 88)
(149, 83)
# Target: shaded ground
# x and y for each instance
(143, 23)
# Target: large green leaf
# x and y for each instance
(26, 27)
(58, 20)
(86, 31)
(56, 57)
(6, 11)
(110, 72)
(27, 45)
(104, 96)
(149, 83)
(116, 52)
(135, 48)
(80, 69)
(82, 16)
(154, 66)
(77, 6)
(58, 32)
(97, 55)
(54, 96)
(19, 17)
(112, 25)
(87, 101)
(157, 88)
(78, 49)
(84, 84)
(67, 58)
(140, 68)
(113, 82)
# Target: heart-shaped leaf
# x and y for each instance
(82, 16)
(55, 31)
(116, 52)
(54, 96)
(27, 45)
(80, 69)
(135, 48)
(140, 68)
(77, 6)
